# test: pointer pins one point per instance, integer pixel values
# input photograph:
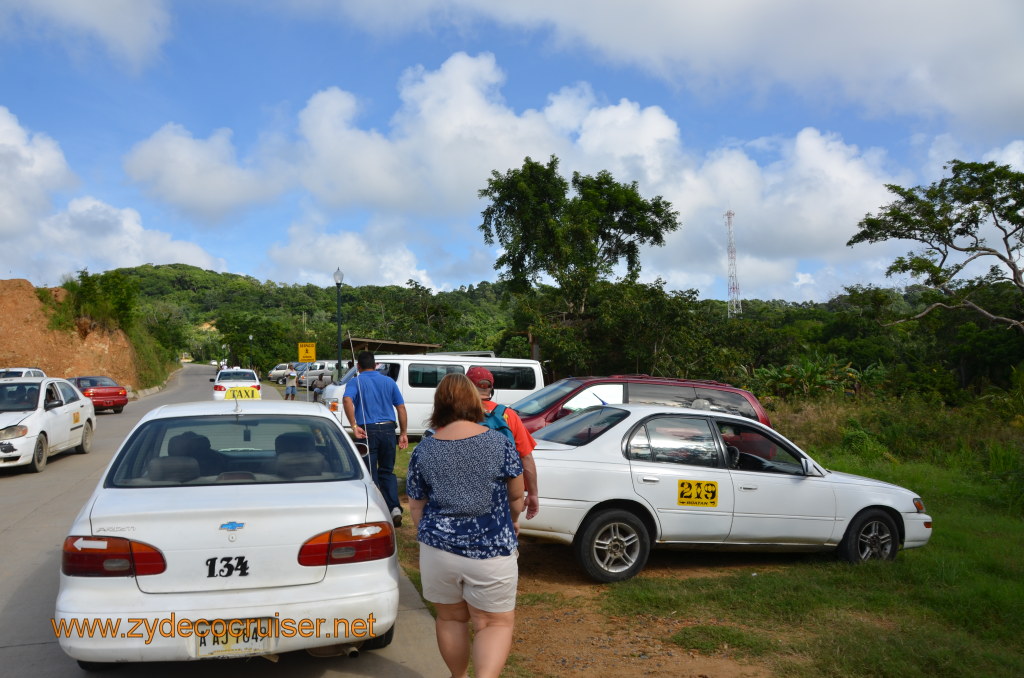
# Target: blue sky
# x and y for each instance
(285, 138)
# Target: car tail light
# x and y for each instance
(88, 393)
(349, 544)
(219, 387)
(122, 392)
(110, 557)
(257, 387)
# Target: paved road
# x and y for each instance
(36, 511)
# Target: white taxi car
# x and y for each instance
(41, 416)
(235, 383)
(229, 529)
(619, 478)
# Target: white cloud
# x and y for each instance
(201, 177)
(1012, 154)
(313, 251)
(31, 167)
(94, 235)
(131, 30)
(915, 57)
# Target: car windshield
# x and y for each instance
(19, 396)
(582, 427)
(541, 400)
(233, 450)
(236, 375)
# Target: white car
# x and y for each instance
(41, 416)
(228, 529)
(234, 383)
(616, 479)
(14, 372)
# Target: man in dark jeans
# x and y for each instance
(371, 402)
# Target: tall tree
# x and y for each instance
(576, 239)
(951, 219)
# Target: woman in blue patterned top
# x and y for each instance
(465, 487)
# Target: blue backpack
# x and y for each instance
(495, 420)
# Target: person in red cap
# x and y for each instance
(484, 382)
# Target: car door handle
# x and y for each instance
(650, 479)
(748, 488)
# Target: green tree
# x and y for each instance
(951, 219)
(577, 239)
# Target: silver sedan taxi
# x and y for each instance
(228, 529)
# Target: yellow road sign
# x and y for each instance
(307, 353)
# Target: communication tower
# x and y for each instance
(735, 307)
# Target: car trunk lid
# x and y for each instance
(218, 538)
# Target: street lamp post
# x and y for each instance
(338, 277)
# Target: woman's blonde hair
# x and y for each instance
(456, 399)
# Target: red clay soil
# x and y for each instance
(26, 341)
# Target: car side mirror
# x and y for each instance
(363, 449)
(809, 468)
(51, 404)
(213, 380)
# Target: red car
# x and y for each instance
(564, 397)
(104, 392)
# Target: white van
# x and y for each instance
(418, 375)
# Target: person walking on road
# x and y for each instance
(290, 380)
(371, 402)
(465, 487)
(483, 380)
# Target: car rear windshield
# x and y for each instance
(538, 402)
(236, 375)
(230, 450)
(92, 382)
(582, 427)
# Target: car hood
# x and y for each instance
(12, 418)
(850, 479)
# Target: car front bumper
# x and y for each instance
(17, 451)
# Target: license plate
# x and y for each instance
(238, 393)
(233, 637)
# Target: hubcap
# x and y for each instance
(616, 547)
(875, 541)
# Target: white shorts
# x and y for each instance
(488, 584)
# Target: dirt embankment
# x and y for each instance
(26, 340)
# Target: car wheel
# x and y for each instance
(118, 410)
(872, 535)
(86, 444)
(380, 642)
(280, 382)
(40, 454)
(613, 545)
(96, 666)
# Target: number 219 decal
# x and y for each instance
(698, 493)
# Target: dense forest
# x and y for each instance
(846, 345)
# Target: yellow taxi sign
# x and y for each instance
(242, 393)
(307, 352)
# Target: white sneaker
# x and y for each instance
(396, 516)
